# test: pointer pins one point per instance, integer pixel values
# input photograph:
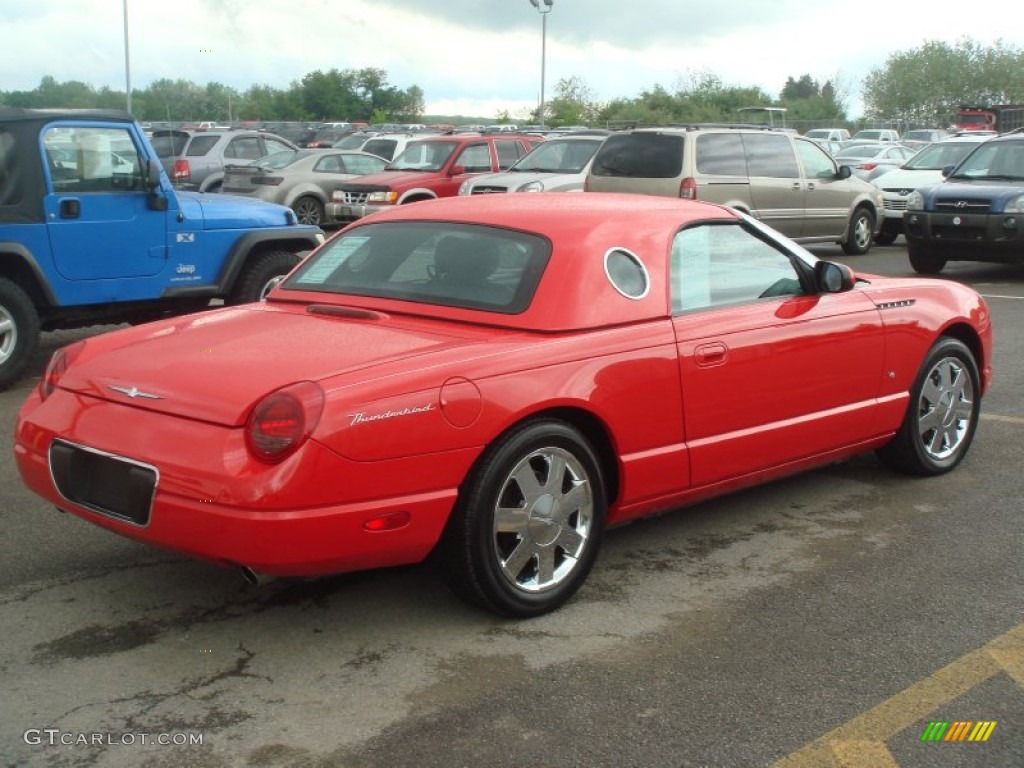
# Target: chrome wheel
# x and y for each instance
(8, 335)
(543, 519)
(527, 526)
(942, 412)
(945, 409)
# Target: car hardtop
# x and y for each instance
(575, 292)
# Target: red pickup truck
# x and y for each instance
(428, 168)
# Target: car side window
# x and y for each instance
(200, 145)
(720, 264)
(91, 159)
(361, 164)
(329, 164)
(817, 163)
(721, 154)
(245, 148)
(273, 145)
(476, 158)
(770, 154)
(508, 152)
(10, 183)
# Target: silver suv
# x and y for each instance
(195, 160)
(787, 181)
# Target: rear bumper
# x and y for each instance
(316, 515)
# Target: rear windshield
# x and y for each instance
(447, 264)
(640, 155)
(168, 143)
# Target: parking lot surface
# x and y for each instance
(825, 620)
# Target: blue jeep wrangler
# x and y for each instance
(92, 231)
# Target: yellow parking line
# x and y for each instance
(861, 741)
(1005, 419)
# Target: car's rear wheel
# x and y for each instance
(261, 274)
(942, 414)
(859, 232)
(924, 261)
(19, 331)
(528, 523)
(309, 210)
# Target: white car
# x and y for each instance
(556, 165)
(922, 169)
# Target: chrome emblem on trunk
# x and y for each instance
(134, 392)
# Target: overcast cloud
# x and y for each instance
(477, 57)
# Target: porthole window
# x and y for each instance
(626, 273)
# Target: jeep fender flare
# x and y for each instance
(19, 265)
(419, 193)
(253, 242)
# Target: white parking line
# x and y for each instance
(999, 296)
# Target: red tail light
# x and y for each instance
(688, 188)
(281, 421)
(57, 367)
(867, 167)
(181, 169)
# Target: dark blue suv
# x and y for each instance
(976, 214)
(91, 231)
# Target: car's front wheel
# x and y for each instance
(859, 232)
(942, 414)
(528, 523)
(924, 261)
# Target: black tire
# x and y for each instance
(942, 414)
(260, 274)
(19, 331)
(530, 560)
(859, 232)
(309, 210)
(886, 237)
(924, 261)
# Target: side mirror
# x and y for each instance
(845, 172)
(830, 277)
(156, 200)
(947, 170)
(457, 170)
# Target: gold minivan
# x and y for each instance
(786, 181)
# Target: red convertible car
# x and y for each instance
(496, 380)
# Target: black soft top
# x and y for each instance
(19, 114)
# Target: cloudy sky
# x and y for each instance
(478, 57)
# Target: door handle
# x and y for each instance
(70, 208)
(707, 355)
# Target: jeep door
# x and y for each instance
(828, 199)
(776, 185)
(97, 210)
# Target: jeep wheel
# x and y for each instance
(261, 274)
(924, 261)
(858, 235)
(308, 210)
(19, 331)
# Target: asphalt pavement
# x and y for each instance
(838, 618)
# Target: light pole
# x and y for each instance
(543, 8)
(127, 70)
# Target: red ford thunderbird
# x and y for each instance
(497, 380)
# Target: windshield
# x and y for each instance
(558, 156)
(423, 156)
(439, 263)
(994, 160)
(938, 156)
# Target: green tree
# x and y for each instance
(573, 104)
(925, 85)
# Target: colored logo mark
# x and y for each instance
(959, 730)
